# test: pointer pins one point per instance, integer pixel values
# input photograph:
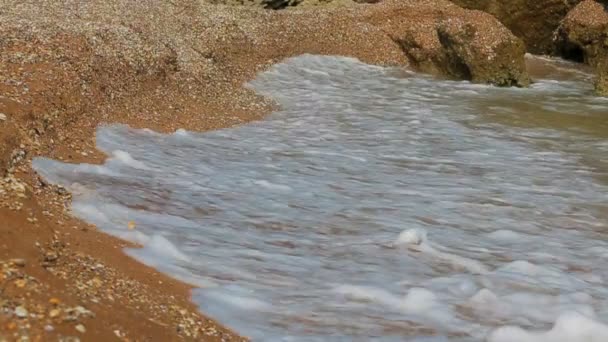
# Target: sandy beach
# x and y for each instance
(68, 67)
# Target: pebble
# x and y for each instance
(48, 328)
(50, 256)
(80, 328)
(2, 117)
(54, 313)
(18, 262)
(21, 312)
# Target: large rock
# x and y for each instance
(460, 43)
(534, 21)
(583, 35)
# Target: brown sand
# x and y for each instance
(68, 66)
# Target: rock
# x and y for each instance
(3, 117)
(467, 45)
(54, 313)
(435, 36)
(534, 21)
(18, 262)
(583, 36)
(21, 312)
(80, 328)
(50, 257)
(601, 83)
(468, 56)
(81, 311)
(280, 4)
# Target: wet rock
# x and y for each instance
(534, 21)
(502, 64)
(583, 36)
(470, 45)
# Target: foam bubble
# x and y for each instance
(412, 237)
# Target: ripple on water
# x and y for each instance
(292, 226)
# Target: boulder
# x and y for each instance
(461, 44)
(583, 36)
(534, 21)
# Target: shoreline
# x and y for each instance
(78, 68)
(75, 281)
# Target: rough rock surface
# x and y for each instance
(465, 46)
(583, 35)
(534, 21)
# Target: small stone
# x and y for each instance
(18, 262)
(21, 312)
(80, 328)
(50, 256)
(96, 282)
(54, 313)
(81, 310)
(54, 301)
(48, 328)
(2, 117)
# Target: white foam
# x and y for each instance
(417, 239)
(127, 159)
(569, 327)
(504, 207)
(272, 186)
(412, 237)
(531, 307)
(505, 235)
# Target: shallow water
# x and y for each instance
(377, 204)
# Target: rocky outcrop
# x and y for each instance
(583, 36)
(461, 44)
(534, 21)
(433, 36)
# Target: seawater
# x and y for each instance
(377, 204)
